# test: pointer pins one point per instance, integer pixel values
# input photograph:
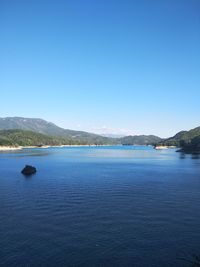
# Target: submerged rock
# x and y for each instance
(28, 170)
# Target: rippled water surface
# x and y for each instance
(104, 206)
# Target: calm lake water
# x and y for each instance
(104, 206)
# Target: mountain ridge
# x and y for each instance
(41, 126)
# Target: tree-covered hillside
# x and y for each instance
(28, 138)
(140, 140)
(42, 126)
(60, 135)
(181, 137)
(191, 147)
(47, 128)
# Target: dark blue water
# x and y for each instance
(111, 206)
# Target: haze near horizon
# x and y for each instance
(109, 67)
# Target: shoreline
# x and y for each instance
(13, 148)
(10, 148)
(164, 147)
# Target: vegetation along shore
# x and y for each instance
(18, 133)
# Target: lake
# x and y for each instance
(99, 206)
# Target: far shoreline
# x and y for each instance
(164, 147)
(9, 148)
(13, 148)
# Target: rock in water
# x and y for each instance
(28, 170)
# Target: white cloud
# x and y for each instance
(111, 131)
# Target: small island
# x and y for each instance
(28, 170)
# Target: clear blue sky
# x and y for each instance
(121, 66)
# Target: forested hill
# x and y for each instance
(39, 126)
(188, 141)
(50, 129)
(140, 140)
(182, 137)
(191, 147)
(18, 137)
(57, 134)
(28, 138)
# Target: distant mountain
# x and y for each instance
(140, 140)
(67, 136)
(39, 126)
(49, 128)
(17, 137)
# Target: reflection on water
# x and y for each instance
(187, 155)
(27, 152)
(195, 156)
(114, 152)
(182, 155)
(100, 152)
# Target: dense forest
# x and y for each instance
(193, 146)
(18, 137)
(28, 138)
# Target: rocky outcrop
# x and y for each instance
(28, 170)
